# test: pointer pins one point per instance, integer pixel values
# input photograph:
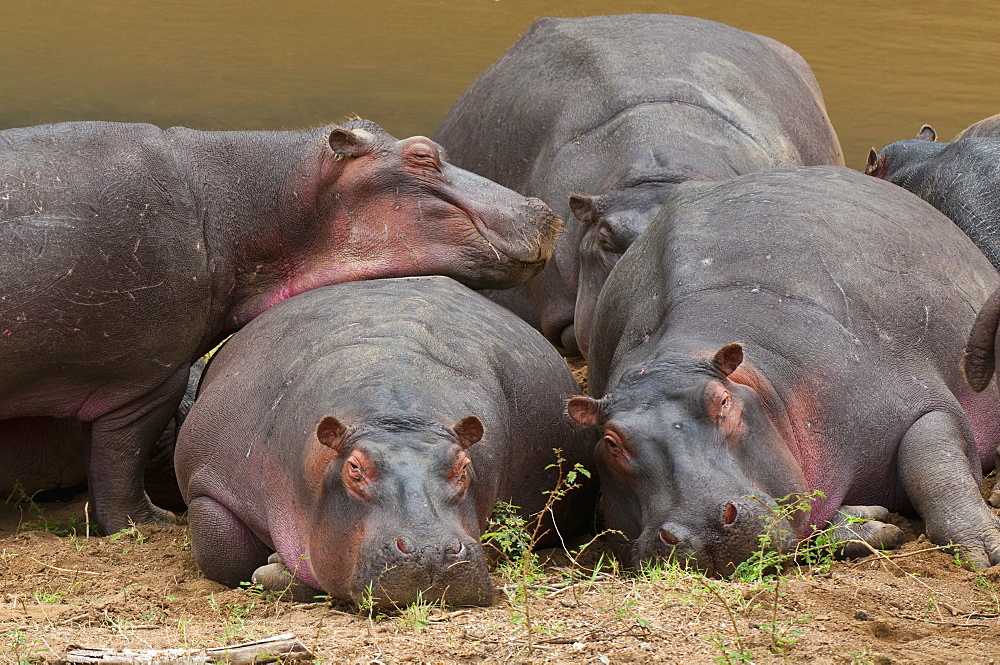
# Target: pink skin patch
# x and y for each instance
(799, 423)
(983, 412)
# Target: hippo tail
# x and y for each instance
(978, 360)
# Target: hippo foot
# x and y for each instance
(862, 529)
(994, 499)
(942, 481)
(162, 516)
(278, 579)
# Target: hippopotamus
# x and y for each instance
(775, 335)
(129, 251)
(42, 453)
(986, 127)
(388, 418)
(602, 116)
(961, 179)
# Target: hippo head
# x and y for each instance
(609, 224)
(397, 515)
(689, 464)
(397, 208)
(900, 161)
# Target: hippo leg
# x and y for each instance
(118, 444)
(224, 548)
(276, 577)
(941, 479)
(862, 528)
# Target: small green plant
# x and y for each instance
(131, 533)
(235, 617)
(20, 651)
(507, 532)
(417, 614)
(515, 538)
(48, 596)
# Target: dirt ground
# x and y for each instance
(140, 589)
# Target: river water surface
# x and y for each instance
(885, 68)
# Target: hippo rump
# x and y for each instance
(775, 335)
(616, 110)
(127, 251)
(386, 418)
(961, 179)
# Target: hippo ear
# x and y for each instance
(468, 430)
(876, 165)
(349, 143)
(330, 433)
(584, 410)
(584, 207)
(728, 358)
(927, 133)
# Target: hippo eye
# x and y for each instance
(606, 242)
(614, 444)
(425, 157)
(355, 471)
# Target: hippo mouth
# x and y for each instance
(530, 252)
(425, 575)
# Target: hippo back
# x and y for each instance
(425, 347)
(815, 263)
(632, 103)
(961, 179)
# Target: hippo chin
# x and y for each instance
(127, 251)
(602, 116)
(388, 417)
(774, 335)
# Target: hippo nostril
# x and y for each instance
(668, 538)
(729, 514)
(404, 546)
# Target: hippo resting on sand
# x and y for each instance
(127, 251)
(364, 432)
(781, 333)
(615, 111)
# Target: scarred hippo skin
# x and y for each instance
(360, 406)
(961, 179)
(617, 110)
(127, 251)
(785, 332)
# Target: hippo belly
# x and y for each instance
(389, 417)
(775, 335)
(602, 116)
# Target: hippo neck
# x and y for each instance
(255, 193)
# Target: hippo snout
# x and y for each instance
(728, 536)
(405, 569)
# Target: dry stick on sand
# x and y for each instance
(285, 648)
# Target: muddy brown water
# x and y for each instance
(885, 68)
